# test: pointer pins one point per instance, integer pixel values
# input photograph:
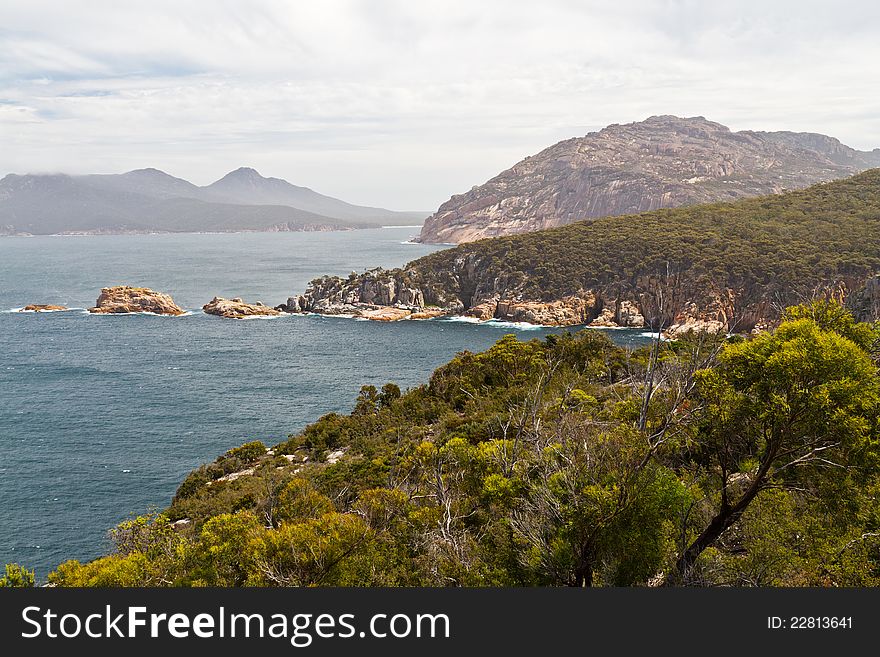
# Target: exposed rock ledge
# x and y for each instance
(675, 305)
(568, 311)
(238, 309)
(865, 303)
(42, 308)
(377, 294)
(126, 299)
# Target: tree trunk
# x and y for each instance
(727, 515)
(583, 576)
(718, 525)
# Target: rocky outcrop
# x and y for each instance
(675, 305)
(126, 299)
(377, 294)
(569, 311)
(42, 308)
(238, 309)
(662, 162)
(865, 302)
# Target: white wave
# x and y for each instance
(496, 323)
(339, 315)
(653, 336)
(522, 326)
(22, 310)
(461, 319)
(261, 317)
(185, 314)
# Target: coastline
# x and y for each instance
(237, 231)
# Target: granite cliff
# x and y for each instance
(662, 162)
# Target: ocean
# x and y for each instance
(101, 417)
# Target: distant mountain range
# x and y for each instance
(149, 200)
(664, 161)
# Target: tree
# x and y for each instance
(227, 551)
(17, 576)
(594, 505)
(781, 410)
(389, 394)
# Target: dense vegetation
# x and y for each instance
(564, 461)
(781, 245)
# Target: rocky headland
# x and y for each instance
(377, 294)
(126, 299)
(238, 309)
(674, 306)
(727, 268)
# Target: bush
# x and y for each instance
(248, 453)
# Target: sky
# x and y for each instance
(401, 104)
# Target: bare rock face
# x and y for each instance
(238, 309)
(126, 299)
(662, 162)
(675, 305)
(693, 325)
(865, 303)
(569, 311)
(42, 308)
(605, 319)
(377, 294)
(627, 314)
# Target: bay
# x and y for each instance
(101, 417)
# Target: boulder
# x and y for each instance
(126, 299)
(238, 309)
(41, 308)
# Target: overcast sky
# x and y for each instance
(403, 103)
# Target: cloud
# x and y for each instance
(400, 103)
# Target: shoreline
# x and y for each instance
(238, 231)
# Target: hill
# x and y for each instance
(248, 187)
(149, 200)
(664, 161)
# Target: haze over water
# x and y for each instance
(101, 417)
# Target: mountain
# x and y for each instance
(247, 186)
(149, 182)
(664, 161)
(149, 200)
(726, 267)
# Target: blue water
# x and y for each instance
(102, 416)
